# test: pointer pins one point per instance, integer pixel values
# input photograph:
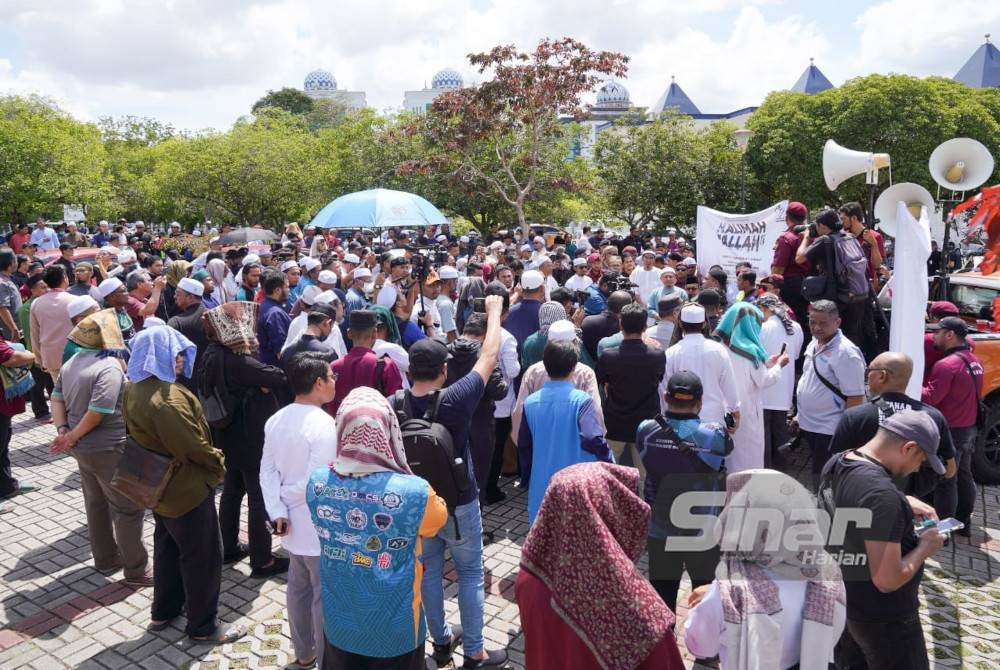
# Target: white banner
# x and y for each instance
(727, 239)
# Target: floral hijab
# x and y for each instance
(234, 325)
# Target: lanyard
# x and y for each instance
(871, 460)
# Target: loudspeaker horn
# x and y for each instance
(841, 163)
(961, 164)
(914, 195)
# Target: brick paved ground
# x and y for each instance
(56, 611)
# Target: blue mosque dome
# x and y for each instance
(320, 81)
(613, 95)
(447, 78)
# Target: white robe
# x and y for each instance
(748, 441)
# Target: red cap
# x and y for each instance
(593, 257)
(629, 250)
(797, 209)
(943, 308)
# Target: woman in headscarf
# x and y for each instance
(175, 272)
(388, 341)
(318, 247)
(583, 602)
(474, 288)
(230, 369)
(773, 606)
(371, 513)
(217, 270)
(163, 416)
(534, 346)
(754, 371)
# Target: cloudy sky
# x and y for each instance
(202, 63)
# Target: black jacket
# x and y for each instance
(188, 323)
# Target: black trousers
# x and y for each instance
(338, 659)
(187, 567)
(819, 447)
(857, 323)
(239, 483)
(502, 428)
(775, 435)
(898, 645)
(43, 386)
(667, 567)
(7, 482)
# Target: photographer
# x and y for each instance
(597, 299)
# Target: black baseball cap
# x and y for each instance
(954, 324)
(685, 385)
(428, 354)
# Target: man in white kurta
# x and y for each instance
(710, 361)
(647, 277)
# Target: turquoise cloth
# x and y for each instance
(740, 330)
(154, 351)
(368, 529)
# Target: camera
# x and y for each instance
(621, 283)
(580, 297)
(479, 305)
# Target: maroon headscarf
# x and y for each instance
(588, 534)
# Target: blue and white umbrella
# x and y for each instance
(378, 208)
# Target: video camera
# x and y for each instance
(424, 259)
(621, 283)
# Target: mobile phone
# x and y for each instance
(949, 525)
(270, 526)
(783, 348)
(479, 305)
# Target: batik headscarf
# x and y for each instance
(391, 326)
(234, 325)
(100, 333)
(549, 313)
(217, 269)
(177, 271)
(154, 352)
(368, 437)
(740, 331)
(773, 303)
(589, 532)
(750, 564)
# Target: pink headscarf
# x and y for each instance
(368, 437)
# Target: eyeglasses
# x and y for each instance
(332, 376)
(885, 370)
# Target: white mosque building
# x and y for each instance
(322, 85)
(442, 81)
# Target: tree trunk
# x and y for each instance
(521, 219)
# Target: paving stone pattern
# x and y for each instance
(56, 611)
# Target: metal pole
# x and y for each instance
(743, 185)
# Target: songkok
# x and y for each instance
(361, 319)
(692, 314)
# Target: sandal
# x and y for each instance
(221, 635)
(442, 652)
(156, 626)
(295, 665)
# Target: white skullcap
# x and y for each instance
(577, 262)
(309, 295)
(539, 238)
(362, 273)
(648, 251)
(526, 247)
(464, 239)
(532, 279)
(689, 261)
(447, 272)
(138, 224)
(667, 271)
(441, 238)
(196, 233)
(461, 262)
(251, 258)
(288, 265)
(562, 330)
(693, 314)
(326, 297)
(127, 256)
(81, 304)
(542, 260)
(152, 322)
(327, 277)
(192, 286)
(109, 286)
(387, 296)
(352, 258)
(309, 264)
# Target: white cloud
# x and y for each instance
(199, 64)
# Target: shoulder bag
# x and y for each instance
(142, 475)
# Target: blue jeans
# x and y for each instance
(467, 555)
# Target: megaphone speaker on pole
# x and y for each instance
(961, 164)
(841, 163)
(914, 196)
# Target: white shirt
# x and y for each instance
(582, 243)
(647, 281)
(510, 368)
(550, 285)
(298, 327)
(705, 625)
(430, 306)
(710, 361)
(297, 440)
(45, 238)
(773, 336)
(579, 282)
(398, 356)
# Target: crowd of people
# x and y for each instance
(365, 394)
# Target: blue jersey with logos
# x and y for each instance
(368, 532)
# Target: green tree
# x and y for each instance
(128, 142)
(292, 100)
(47, 158)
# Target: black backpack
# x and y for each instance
(430, 450)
